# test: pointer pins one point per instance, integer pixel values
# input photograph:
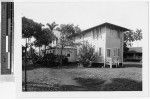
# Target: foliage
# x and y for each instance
(66, 30)
(87, 54)
(52, 26)
(131, 36)
(29, 27)
(45, 37)
(52, 60)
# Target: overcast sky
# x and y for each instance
(131, 15)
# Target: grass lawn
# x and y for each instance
(84, 79)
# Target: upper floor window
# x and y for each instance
(97, 33)
(100, 51)
(94, 33)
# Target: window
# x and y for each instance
(94, 33)
(100, 33)
(97, 32)
(108, 52)
(116, 51)
(100, 51)
(68, 55)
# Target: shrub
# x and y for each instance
(52, 60)
(86, 54)
(49, 60)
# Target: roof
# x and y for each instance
(135, 50)
(102, 25)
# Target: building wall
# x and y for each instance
(114, 41)
(101, 38)
(95, 37)
(71, 51)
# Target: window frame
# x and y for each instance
(100, 51)
(109, 52)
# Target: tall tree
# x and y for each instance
(66, 30)
(52, 26)
(130, 37)
(44, 38)
(30, 28)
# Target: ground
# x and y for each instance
(84, 79)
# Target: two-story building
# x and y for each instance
(107, 40)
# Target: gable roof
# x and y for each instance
(102, 25)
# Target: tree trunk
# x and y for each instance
(45, 50)
(61, 52)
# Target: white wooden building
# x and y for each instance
(108, 42)
(107, 39)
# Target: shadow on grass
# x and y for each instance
(56, 87)
(31, 86)
(31, 67)
(91, 84)
(122, 84)
(116, 84)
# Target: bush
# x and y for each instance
(49, 60)
(86, 54)
(132, 60)
(52, 60)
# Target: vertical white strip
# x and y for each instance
(8, 60)
(6, 43)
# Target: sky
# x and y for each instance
(130, 15)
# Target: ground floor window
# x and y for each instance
(116, 51)
(68, 55)
(108, 52)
